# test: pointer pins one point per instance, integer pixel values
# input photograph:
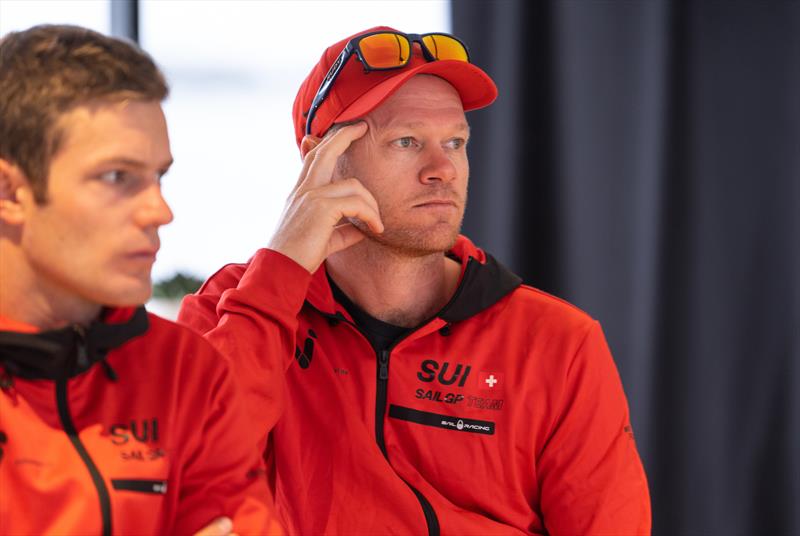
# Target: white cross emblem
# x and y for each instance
(491, 380)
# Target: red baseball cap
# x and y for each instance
(355, 92)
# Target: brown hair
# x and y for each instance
(46, 71)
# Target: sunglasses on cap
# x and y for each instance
(384, 51)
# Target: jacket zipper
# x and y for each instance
(431, 519)
(380, 410)
(380, 398)
(72, 434)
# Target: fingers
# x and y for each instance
(312, 219)
(346, 188)
(355, 206)
(322, 158)
(309, 158)
(222, 526)
(309, 229)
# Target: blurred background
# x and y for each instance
(642, 161)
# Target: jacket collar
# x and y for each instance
(67, 352)
(484, 282)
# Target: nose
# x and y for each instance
(154, 211)
(438, 166)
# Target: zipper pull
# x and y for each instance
(7, 384)
(82, 358)
(5, 380)
(383, 360)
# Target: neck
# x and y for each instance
(393, 287)
(26, 296)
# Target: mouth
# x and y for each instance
(143, 255)
(436, 203)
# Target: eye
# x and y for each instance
(404, 142)
(116, 176)
(456, 143)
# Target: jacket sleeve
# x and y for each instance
(220, 473)
(591, 478)
(252, 321)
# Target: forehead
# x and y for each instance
(113, 129)
(422, 100)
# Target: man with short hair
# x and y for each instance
(112, 420)
(430, 392)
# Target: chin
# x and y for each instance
(125, 295)
(418, 242)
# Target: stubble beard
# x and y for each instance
(412, 242)
(403, 239)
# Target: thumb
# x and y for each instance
(222, 526)
(343, 237)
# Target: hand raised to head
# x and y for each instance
(310, 230)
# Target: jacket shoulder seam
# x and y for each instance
(562, 301)
(220, 272)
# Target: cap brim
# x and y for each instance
(474, 86)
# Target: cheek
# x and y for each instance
(462, 169)
(74, 235)
(59, 247)
(461, 163)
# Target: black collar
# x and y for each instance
(67, 352)
(482, 285)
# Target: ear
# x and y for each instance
(14, 193)
(307, 143)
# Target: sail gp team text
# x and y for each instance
(476, 402)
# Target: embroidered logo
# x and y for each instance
(158, 487)
(457, 376)
(491, 381)
(143, 431)
(446, 375)
(438, 420)
(305, 355)
(138, 439)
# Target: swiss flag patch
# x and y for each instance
(491, 381)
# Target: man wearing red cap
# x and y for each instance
(400, 378)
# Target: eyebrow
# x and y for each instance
(133, 163)
(464, 127)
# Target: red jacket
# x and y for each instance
(132, 427)
(504, 414)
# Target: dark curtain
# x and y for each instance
(643, 162)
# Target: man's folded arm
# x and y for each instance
(222, 475)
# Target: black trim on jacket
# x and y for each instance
(66, 352)
(483, 285)
(62, 403)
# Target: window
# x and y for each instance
(234, 68)
(18, 15)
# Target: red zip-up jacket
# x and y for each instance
(129, 427)
(503, 414)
